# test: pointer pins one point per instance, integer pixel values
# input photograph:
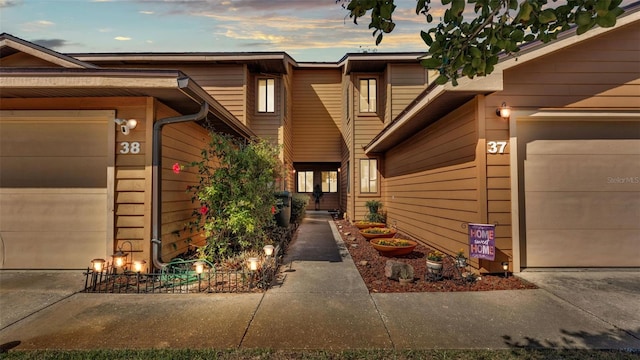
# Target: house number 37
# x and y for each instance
(496, 147)
(129, 147)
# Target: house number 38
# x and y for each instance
(496, 147)
(129, 147)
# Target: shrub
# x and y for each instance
(299, 204)
(235, 194)
(374, 214)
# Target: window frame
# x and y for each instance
(369, 102)
(306, 180)
(322, 181)
(376, 179)
(269, 108)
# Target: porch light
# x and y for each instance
(268, 250)
(253, 263)
(199, 265)
(97, 264)
(504, 111)
(138, 265)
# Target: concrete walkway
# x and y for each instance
(321, 302)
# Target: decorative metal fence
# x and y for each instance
(183, 277)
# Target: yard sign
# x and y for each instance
(482, 241)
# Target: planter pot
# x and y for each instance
(461, 262)
(390, 250)
(366, 224)
(434, 267)
(391, 233)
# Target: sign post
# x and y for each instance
(482, 241)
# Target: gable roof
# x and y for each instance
(10, 45)
(438, 100)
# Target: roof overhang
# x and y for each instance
(172, 88)
(437, 101)
(376, 62)
(268, 62)
(10, 45)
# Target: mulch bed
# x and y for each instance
(371, 266)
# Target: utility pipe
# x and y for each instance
(156, 181)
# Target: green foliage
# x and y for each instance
(235, 194)
(470, 45)
(299, 204)
(375, 214)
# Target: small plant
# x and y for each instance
(435, 255)
(377, 231)
(404, 273)
(298, 207)
(460, 253)
(375, 215)
(393, 242)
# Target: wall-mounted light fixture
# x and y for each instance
(504, 111)
(126, 125)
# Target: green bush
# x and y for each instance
(299, 204)
(235, 194)
(375, 214)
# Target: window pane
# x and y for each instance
(301, 182)
(305, 181)
(372, 95)
(270, 95)
(329, 181)
(364, 175)
(364, 95)
(373, 175)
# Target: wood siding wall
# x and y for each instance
(365, 127)
(317, 115)
(182, 143)
(431, 181)
(266, 125)
(287, 132)
(23, 60)
(406, 82)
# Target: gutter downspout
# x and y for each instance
(156, 181)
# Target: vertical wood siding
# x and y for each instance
(317, 115)
(287, 132)
(431, 181)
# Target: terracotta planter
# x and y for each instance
(389, 250)
(366, 224)
(368, 236)
(434, 267)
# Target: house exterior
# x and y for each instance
(559, 177)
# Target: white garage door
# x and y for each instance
(582, 199)
(53, 189)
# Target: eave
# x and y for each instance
(172, 88)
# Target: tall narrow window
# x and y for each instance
(266, 95)
(368, 95)
(329, 181)
(368, 175)
(305, 181)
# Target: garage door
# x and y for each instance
(53, 189)
(582, 195)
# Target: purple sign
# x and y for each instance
(482, 241)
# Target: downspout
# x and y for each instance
(156, 181)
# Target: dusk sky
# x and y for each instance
(308, 30)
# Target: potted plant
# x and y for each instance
(393, 247)
(405, 277)
(374, 215)
(372, 233)
(364, 224)
(461, 260)
(434, 262)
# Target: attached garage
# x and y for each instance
(54, 180)
(581, 182)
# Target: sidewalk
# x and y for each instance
(322, 303)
